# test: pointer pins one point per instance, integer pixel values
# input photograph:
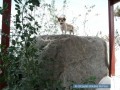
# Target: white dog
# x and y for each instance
(64, 26)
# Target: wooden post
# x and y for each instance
(6, 24)
(5, 33)
(111, 38)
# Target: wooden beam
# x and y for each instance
(6, 24)
(115, 1)
(111, 39)
(5, 33)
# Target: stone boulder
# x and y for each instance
(73, 59)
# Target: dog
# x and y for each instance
(65, 26)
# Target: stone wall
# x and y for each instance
(73, 58)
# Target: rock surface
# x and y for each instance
(73, 58)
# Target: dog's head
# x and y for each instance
(61, 20)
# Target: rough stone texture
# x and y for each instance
(73, 58)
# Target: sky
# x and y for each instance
(97, 19)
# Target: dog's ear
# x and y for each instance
(64, 18)
(59, 19)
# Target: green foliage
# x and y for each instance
(89, 80)
(21, 64)
(117, 12)
(2, 9)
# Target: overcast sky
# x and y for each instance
(97, 19)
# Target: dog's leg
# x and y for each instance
(70, 32)
(65, 31)
(73, 32)
(62, 31)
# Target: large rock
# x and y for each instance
(73, 58)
